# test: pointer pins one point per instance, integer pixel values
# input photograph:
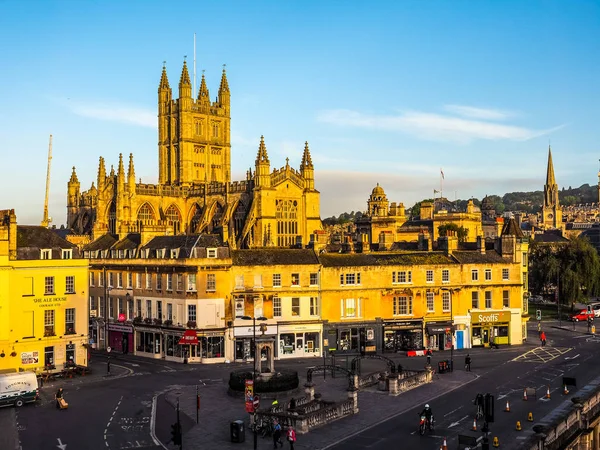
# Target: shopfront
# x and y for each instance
(299, 340)
(212, 346)
(120, 337)
(148, 342)
(353, 338)
(439, 335)
(243, 335)
(487, 325)
(402, 335)
(173, 351)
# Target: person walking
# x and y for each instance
(291, 436)
(468, 363)
(277, 434)
(58, 396)
(543, 338)
(429, 353)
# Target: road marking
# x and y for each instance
(110, 420)
(542, 354)
(61, 445)
(132, 364)
(153, 424)
(453, 411)
(453, 424)
(568, 358)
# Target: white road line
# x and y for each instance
(153, 424)
(453, 411)
(110, 420)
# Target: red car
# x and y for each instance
(582, 315)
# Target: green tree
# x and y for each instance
(461, 232)
(575, 266)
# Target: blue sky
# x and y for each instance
(386, 92)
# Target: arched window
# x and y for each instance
(287, 222)
(218, 215)
(196, 217)
(145, 216)
(239, 218)
(112, 218)
(173, 218)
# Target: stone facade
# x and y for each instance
(195, 194)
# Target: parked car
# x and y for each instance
(595, 307)
(582, 315)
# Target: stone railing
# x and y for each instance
(369, 380)
(405, 382)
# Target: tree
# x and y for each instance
(575, 266)
(461, 232)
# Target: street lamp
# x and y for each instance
(451, 291)
(254, 319)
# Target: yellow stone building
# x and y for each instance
(195, 194)
(406, 300)
(43, 299)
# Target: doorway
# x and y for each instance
(486, 336)
(299, 344)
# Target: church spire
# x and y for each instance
(550, 180)
(73, 176)
(164, 81)
(121, 172)
(306, 159)
(185, 85)
(203, 92)
(262, 152)
(101, 174)
(131, 174)
(224, 87)
(224, 94)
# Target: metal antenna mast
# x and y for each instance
(46, 220)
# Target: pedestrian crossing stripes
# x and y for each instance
(542, 354)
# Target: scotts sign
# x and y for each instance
(491, 317)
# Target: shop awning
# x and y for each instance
(189, 338)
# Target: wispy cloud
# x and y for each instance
(479, 113)
(432, 126)
(116, 113)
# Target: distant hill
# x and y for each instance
(529, 202)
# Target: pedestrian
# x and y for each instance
(291, 436)
(58, 396)
(543, 338)
(429, 353)
(539, 327)
(277, 434)
(468, 363)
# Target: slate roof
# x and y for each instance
(129, 242)
(384, 259)
(476, 257)
(104, 242)
(511, 228)
(550, 238)
(274, 256)
(186, 241)
(31, 239)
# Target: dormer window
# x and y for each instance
(121, 254)
(174, 253)
(160, 253)
(211, 252)
(67, 253)
(45, 253)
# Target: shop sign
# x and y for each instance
(49, 302)
(121, 328)
(439, 328)
(29, 358)
(294, 328)
(491, 317)
(189, 338)
(249, 331)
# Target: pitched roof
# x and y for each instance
(184, 241)
(511, 228)
(384, 259)
(129, 242)
(104, 242)
(476, 257)
(31, 236)
(550, 238)
(274, 256)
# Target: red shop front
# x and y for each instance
(120, 337)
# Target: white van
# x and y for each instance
(18, 388)
(595, 308)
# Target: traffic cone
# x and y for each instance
(525, 394)
(518, 427)
(548, 392)
(496, 442)
(565, 391)
(444, 445)
(475, 424)
(530, 417)
(507, 409)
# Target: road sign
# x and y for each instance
(256, 402)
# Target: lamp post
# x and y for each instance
(451, 292)
(254, 319)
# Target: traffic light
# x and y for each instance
(538, 315)
(489, 408)
(176, 434)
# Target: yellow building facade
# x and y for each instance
(43, 299)
(272, 207)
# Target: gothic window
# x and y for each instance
(217, 216)
(287, 222)
(145, 216)
(239, 217)
(173, 218)
(112, 218)
(196, 217)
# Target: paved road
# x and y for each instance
(505, 376)
(111, 414)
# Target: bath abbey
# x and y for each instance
(195, 194)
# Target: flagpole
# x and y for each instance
(441, 184)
